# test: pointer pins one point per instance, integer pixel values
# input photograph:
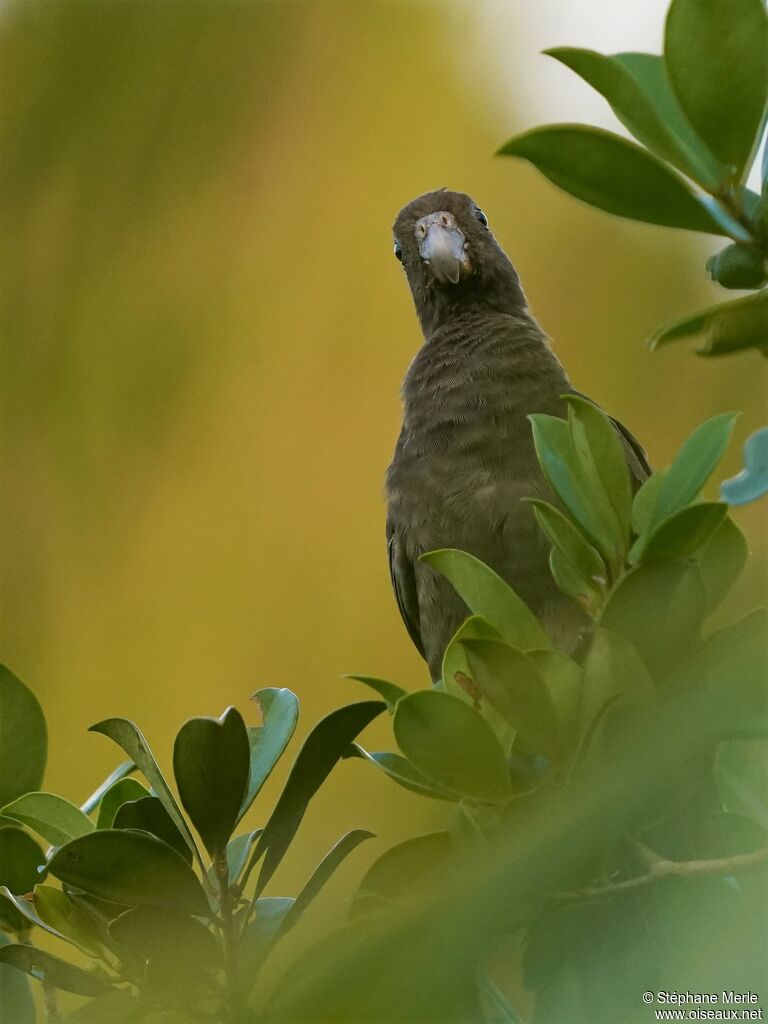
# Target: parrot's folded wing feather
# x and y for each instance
(404, 585)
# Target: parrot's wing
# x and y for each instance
(637, 460)
(404, 585)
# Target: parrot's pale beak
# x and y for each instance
(442, 247)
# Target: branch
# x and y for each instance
(660, 867)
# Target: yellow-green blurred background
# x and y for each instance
(204, 331)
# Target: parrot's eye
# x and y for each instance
(398, 251)
(481, 217)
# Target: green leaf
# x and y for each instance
(572, 583)
(259, 936)
(23, 738)
(741, 773)
(452, 745)
(118, 794)
(512, 683)
(16, 1003)
(237, 855)
(389, 692)
(692, 466)
(174, 941)
(149, 815)
(716, 53)
(53, 971)
(280, 711)
(645, 500)
(681, 533)
(405, 872)
(485, 593)
(752, 482)
(61, 915)
(612, 668)
(115, 1008)
(20, 859)
(576, 567)
(51, 816)
(639, 608)
(93, 801)
(401, 771)
(563, 678)
(211, 762)
(326, 744)
(132, 868)
(501, 1010)
(724, 328)
(733, 666)
(720, 561)
(612, 174)
(130, 738)
(738, 265)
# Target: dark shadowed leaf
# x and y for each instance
(130, 738)
(724, 328)
(716, 55)
(132, 868)
(401, 771)
(16, 1003)
(721, 560)
(389, 692)
(322, 749)
(23, 738)
(752, 482)
(452, 745)
(51, 816)
(512, 683)
(62, 915)
(149, 815)
(237, 855)
(53, 971)
(93, 801)
(485, 593)
(211, 762)
(119, 793)
(20, 859)
(612, 174)
(280, 711)
(404, 872)
(168, 937)
(680, 534)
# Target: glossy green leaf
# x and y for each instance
(149, 815)
(401, 771)
(323, 748)
(119, 793)
(720, 561)
(132, 868)
(752, 482)
(211, 763)
(716, 53)
(169, 937)
(644, 502)
(452, 745)
(612, 174)
(93, 801)
(23, 738)
(692, 466)
(20, 859)
(280, 711)
(572, 544)
(741, 774)
(485, 593)
(640, 609)
(51, 816)
(53, 971)
(16, 1003)
(389, 692)
(130, 738)
(682, 533)
(405, 871)
(63, 916)
(512, 683)
(724, 328)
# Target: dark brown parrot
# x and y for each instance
(465, 454)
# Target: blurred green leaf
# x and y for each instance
(720, 561)
(724, 328)
(23, 738)
(129, 737)
(499, 1009)
(114, 1008)
(738, 266)
(51, 816)
(175, 941)
(405, 871)
(93, 801)
(53, 971)
(563, 678)
(717, 59)
(280, 711)
(485, 593)
(692, 466)
(741, 773)
(452, 745)
(612, 668)
(149, 815)
(733, 663)
(118, 794)
(682, 533)
(639, 608)
(132, 868)
(612, 174)
(259, 936)
(20, 858)
(211, 762)
(56, 910)
(511, 682)
(322, 749)
(16, 1003)
(400, 770)
(752, 482)
(389, 692)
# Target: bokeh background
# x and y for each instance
(204, 332)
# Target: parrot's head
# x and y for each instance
(452, 260)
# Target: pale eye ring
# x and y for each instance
(398, 251)
(481, 217)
